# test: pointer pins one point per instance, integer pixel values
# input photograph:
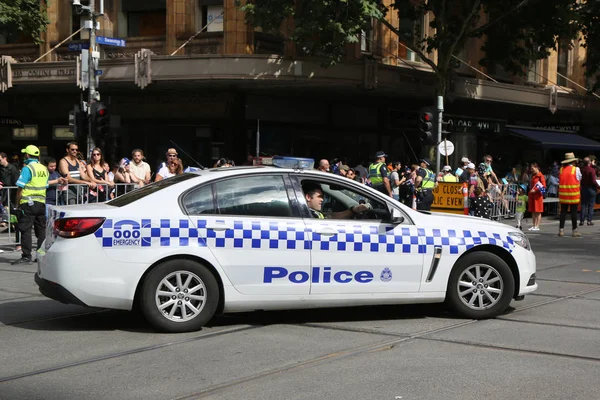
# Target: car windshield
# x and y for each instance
(137, 194)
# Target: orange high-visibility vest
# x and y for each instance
(569, 187)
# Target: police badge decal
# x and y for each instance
(386, 275)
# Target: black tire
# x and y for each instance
(179, 303)
(490, 297)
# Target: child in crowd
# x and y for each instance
(521, 206)
(481, 204)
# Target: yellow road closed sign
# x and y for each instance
(448, 197)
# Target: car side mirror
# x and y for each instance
(397, 217)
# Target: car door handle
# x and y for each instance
(216, 226)
(326, 231)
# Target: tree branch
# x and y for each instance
(484, 27)
(412, 48)
(461, 36)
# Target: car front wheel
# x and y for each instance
(179, 296)
(481, 286)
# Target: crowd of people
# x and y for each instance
(73, 180)
(526, 186)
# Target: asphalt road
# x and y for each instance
(546, 347)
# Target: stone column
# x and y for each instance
(238, 36)
(52, 30)
(180, 21)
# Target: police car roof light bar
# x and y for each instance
(293, 162)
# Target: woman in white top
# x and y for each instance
(174, 167)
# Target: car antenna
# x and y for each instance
(187, 154)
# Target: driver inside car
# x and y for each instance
(313, 194)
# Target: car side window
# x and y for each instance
(338, 198)
(199, 201)
(263, 196)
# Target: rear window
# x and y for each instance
(137, 194)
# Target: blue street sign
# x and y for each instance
(78, 46)
(99, 72)
(109, 41)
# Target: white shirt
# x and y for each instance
(139, 170)
(165, 173)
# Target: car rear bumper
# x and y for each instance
(56, 292)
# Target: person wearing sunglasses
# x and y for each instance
(72, 168)
(97, 173)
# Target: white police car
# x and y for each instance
(240, 239)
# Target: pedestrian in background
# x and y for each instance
(521, 205)
(569, 192)
(588, 191)
(481, 204)
(536, 196)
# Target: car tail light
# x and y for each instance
(77, 227)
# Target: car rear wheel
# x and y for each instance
(179, 296)
(481, 286)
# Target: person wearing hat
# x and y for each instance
(447, 175)
(569, 195)
(343, 169)
(378, 174)
(425, 184)
(31, 200)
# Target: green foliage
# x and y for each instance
(528, 34)
(320, 27)
(515, 32)
(590, 29)
(26, 17)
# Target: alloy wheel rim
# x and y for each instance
(180, 296)
(480, 286)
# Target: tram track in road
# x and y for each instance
(348, 352)
(125, 353)
(388, 345)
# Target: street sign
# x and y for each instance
(446, 147)
(78, 46)
(99, 72)
(109, 41)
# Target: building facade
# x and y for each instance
(211, 96)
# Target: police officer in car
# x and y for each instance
(425, 183)
(313, 194)
(31, 200)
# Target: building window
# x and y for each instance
(62, 133)
(210, 12)
(533, 74)
(145, 17)
(27, 132)
(366, 40)
(146, 23)
(411, 32)
(564, 49)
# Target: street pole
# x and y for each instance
(440, 108)
(257, 141)
(91, 78)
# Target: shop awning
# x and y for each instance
(557, 140)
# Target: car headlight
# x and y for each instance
(521, 239)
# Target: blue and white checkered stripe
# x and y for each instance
(292, 235)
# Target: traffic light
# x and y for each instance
(428, 125)
(101, 121)
(77, 122)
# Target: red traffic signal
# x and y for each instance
(426, 122)
(427, 125)
(101, 119)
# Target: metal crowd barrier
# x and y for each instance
(504, 200)
(65, 195)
